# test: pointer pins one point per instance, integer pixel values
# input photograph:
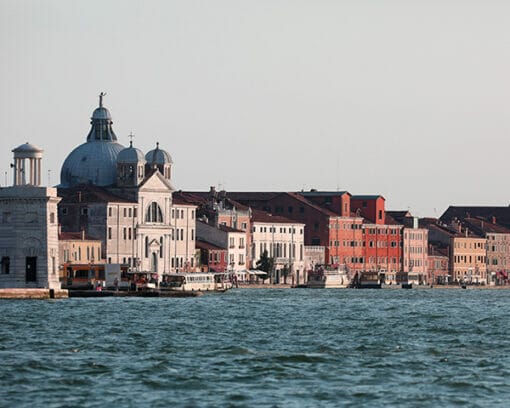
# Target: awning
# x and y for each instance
(257, 272)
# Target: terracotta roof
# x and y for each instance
(74, 236)
(87, 193)
(482, 226)
(201, 244)
(438, 250)
(366, 197)
(192, 198)
(311, 204)
(262, 216)
(500, 213)
(316, 193)
(229, 229)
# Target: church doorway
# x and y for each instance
(154, 263)
(31, 269)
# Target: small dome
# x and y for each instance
(101, 113)
(158, 156)
(27, 150)
(131, 155)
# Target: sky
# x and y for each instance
(407, 99)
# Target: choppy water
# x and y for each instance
(272, 348)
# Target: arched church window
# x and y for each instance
(154, 213)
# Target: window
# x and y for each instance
(125, 214)
(124, 233)
(84, 211)
(109, 232)
(192, 214)
(154, 213)
(134, 212)
(6, 265)
(161, 247)
(146, 247)
(244, 226)
(52, 218)
(64, 211)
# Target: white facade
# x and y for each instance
(182, 244)
(28, 226)
(284, 243)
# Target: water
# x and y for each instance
(267, 348)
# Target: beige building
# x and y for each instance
(468, 258)
(75, 248)
(467, 252)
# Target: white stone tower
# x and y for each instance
(28, 226)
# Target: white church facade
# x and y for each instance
(124, 198)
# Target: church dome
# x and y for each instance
(158, 156)
(131, 155)
(95, 161)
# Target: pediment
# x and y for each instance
(156, 182)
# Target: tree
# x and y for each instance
(265, 263)
(285, 273)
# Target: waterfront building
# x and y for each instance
(467, 256)
(414, 247)
(382, 251)
(125, 199)
(494, 214)
(29, 226)
(215, 209)
(225, 237)
(437, 264)
(498, 247)
(212, 257)
(338, 234)
(283, 239)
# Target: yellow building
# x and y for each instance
(468, 259)
(75, 248)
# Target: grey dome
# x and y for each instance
(158, 156)
(91, 163)
(101, 113)
(131, 155)
(94, 162)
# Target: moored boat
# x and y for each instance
(196, 281)
(322, 278)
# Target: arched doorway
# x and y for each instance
(154, 262)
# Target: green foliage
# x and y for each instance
(265, 263)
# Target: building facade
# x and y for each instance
(29, 226)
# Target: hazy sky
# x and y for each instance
(408, 99)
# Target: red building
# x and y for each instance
(212, 257)
(370, 207)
